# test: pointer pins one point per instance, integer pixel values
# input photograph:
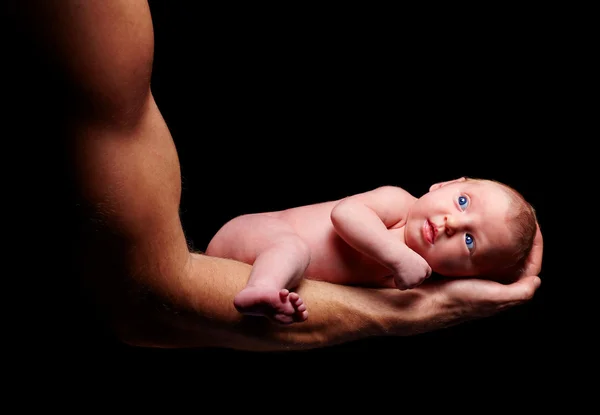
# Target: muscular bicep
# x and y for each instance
(128, 182)
(123, 158)
(390, 203)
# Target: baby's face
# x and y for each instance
(461, 229)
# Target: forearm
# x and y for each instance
(194, 309)
(204, 315)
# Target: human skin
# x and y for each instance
(151, 290)
(380, 238)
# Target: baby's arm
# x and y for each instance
(363, 221)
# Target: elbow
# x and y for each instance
(337, 214)
(128, 339)
(140, 321)
(141, 330)
(341, 212)
(127, 328)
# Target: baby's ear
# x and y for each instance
(441, 184)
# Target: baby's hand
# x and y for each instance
(411, 272)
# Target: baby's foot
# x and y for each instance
(278, 305)
(301, 314)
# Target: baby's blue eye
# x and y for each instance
(463, 202)
(469, 241)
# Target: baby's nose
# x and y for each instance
(452, 225)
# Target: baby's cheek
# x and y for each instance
(446, 261)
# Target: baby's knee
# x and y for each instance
(297, 247)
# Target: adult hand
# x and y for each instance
(533, 264)
(437, 304)
(457, 300)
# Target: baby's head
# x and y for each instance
(472, 227)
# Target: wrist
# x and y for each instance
(405, 313)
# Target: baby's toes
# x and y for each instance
(295, 300)
(302, 315)
(283, 295)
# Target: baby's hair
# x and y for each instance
(523, 223)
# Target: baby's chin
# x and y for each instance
(457, 273)
(450, 272)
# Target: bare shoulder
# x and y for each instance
(103, 50)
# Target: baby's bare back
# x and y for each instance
(332, 259)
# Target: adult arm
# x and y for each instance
(151, 289)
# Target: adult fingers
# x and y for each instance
(519, 291)
(533, 264)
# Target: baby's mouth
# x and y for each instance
(429, 232)
(434, 229)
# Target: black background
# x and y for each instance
(273, 108)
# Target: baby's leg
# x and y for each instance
(279, 259)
